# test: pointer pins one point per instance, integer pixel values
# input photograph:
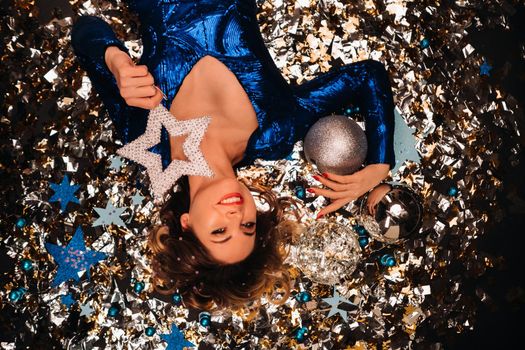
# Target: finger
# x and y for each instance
(146, 102)
(343, 179)
(333, 206)
(371, 198)
(329, 183)
(372, 211)
(328, 193)
(139, 102)
(135, 71)
(158, 97)
(370, 208)
(138, 92)
(138, 81)
(372, 205)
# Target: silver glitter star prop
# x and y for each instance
(137, 150)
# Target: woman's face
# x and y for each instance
(222, 216)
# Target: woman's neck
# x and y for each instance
(218, 159)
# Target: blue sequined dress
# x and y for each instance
(177, 33)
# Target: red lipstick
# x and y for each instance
(231, 196)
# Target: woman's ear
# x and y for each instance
(184, 221)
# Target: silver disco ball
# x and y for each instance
(336, 144)
(327, 252)
(398, 215)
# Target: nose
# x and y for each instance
(234, 211)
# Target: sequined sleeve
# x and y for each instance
(364, 84)
(90, 37)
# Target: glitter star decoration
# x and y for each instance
(137, 199)
(116, 163)
(67, 300)
(334, 302)
(175, 339)
(485, 68)
(137, 150)
(109, 215)
(73, 259)
(64, 192)
(86, 310)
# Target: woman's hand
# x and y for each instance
(346, 188)
(375, 196)
(135, 83)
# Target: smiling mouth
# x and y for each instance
(232, 199)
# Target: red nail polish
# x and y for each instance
(325, 174)
(310, 190)
(319, 216)
(316, 177)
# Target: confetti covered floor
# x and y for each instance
(74, 269)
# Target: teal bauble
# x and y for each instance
(425, 43)
(16, 294)
(149, 331)
(204, 319)
(113, 311)
(387, 260)
(138, 287)
(21, 222)
(176, 298)
(303, 297)
(26, 264)
(363, 241)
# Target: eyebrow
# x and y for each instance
(229, 237)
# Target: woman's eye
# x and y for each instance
(218, 231)
(249, 224)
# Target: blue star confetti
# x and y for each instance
(64, 192)
(86, 310)
(175, 339)
(67, 300)
(334, 302)
(116, 163)
(73, 259)
(485, 68)
(137, 199)
(109, 215)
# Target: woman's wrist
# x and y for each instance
(377, 173)
(109, 54)
(381, 169)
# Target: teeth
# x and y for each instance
(231, 200)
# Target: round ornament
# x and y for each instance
(336, 144)
(328, 251)
(398, 215)
(150, 331)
